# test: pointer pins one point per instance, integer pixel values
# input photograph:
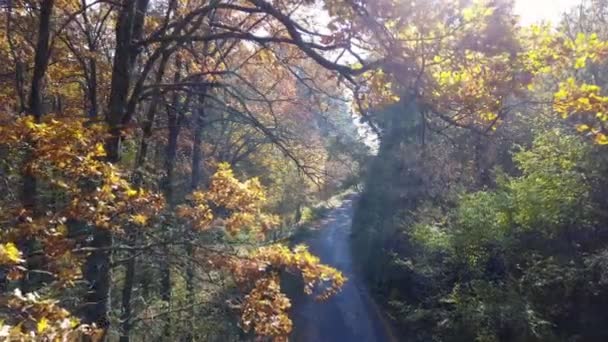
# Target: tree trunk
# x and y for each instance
(29, 184)
(92, 88)
(190, 274)
(174, 118)
(165, 291)
(20, 69)
(199, 122)
(139, 164)
(127, 290)
(41, 58)
(483, 176)
(128, 29)
(197, 175)
(98, 274)
(150, 116)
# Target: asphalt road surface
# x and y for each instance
(350, 315)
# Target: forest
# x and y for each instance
(205, 170)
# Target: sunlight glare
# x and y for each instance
(532, 11)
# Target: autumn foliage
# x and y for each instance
(69, 156)
(154, 154)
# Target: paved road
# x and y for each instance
(351, 314)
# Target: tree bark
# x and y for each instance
(98, 273)
(139, 164)
(199, 122)
(127, 290)
(173, 118)
(28, 195)
(197, 175)
(92, 88)
(166, 185)
(41, 58)
(190, 274)
(150, 116)
(165, 292)
(128, 29)
(19, 64)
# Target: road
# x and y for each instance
(350, 315)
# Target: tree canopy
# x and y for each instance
(157, 157)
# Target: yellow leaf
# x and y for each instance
(10, 254)
(580, 62)
(468, 14)
(100, 150)
(139, 219)
(601, 139)
(74, 322)
(42, 325)
(131, 192)
(583, 128)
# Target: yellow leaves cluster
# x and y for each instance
(37, 319)
(549, 52)
(10, 254)
(227, 191)
(573, 98)
(475, 88)
(476, 71)
(68, 156)
(198, 213)
(479, 9)
(315, 275)
(586, 47)
(265, 307)
(585, 102)
(241, 201)
(11, 259)
(555, 54)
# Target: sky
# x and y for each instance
(532, 11)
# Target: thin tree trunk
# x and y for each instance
(166, 185)
(92, 88)
(97, 273)
(199, 121)
(19, 65)
(173, 119)
(166, 291)
(150, 115)
(127, 290)
(190, 274)
(139, 164)
(197, 175)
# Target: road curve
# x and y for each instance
(350, 315)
